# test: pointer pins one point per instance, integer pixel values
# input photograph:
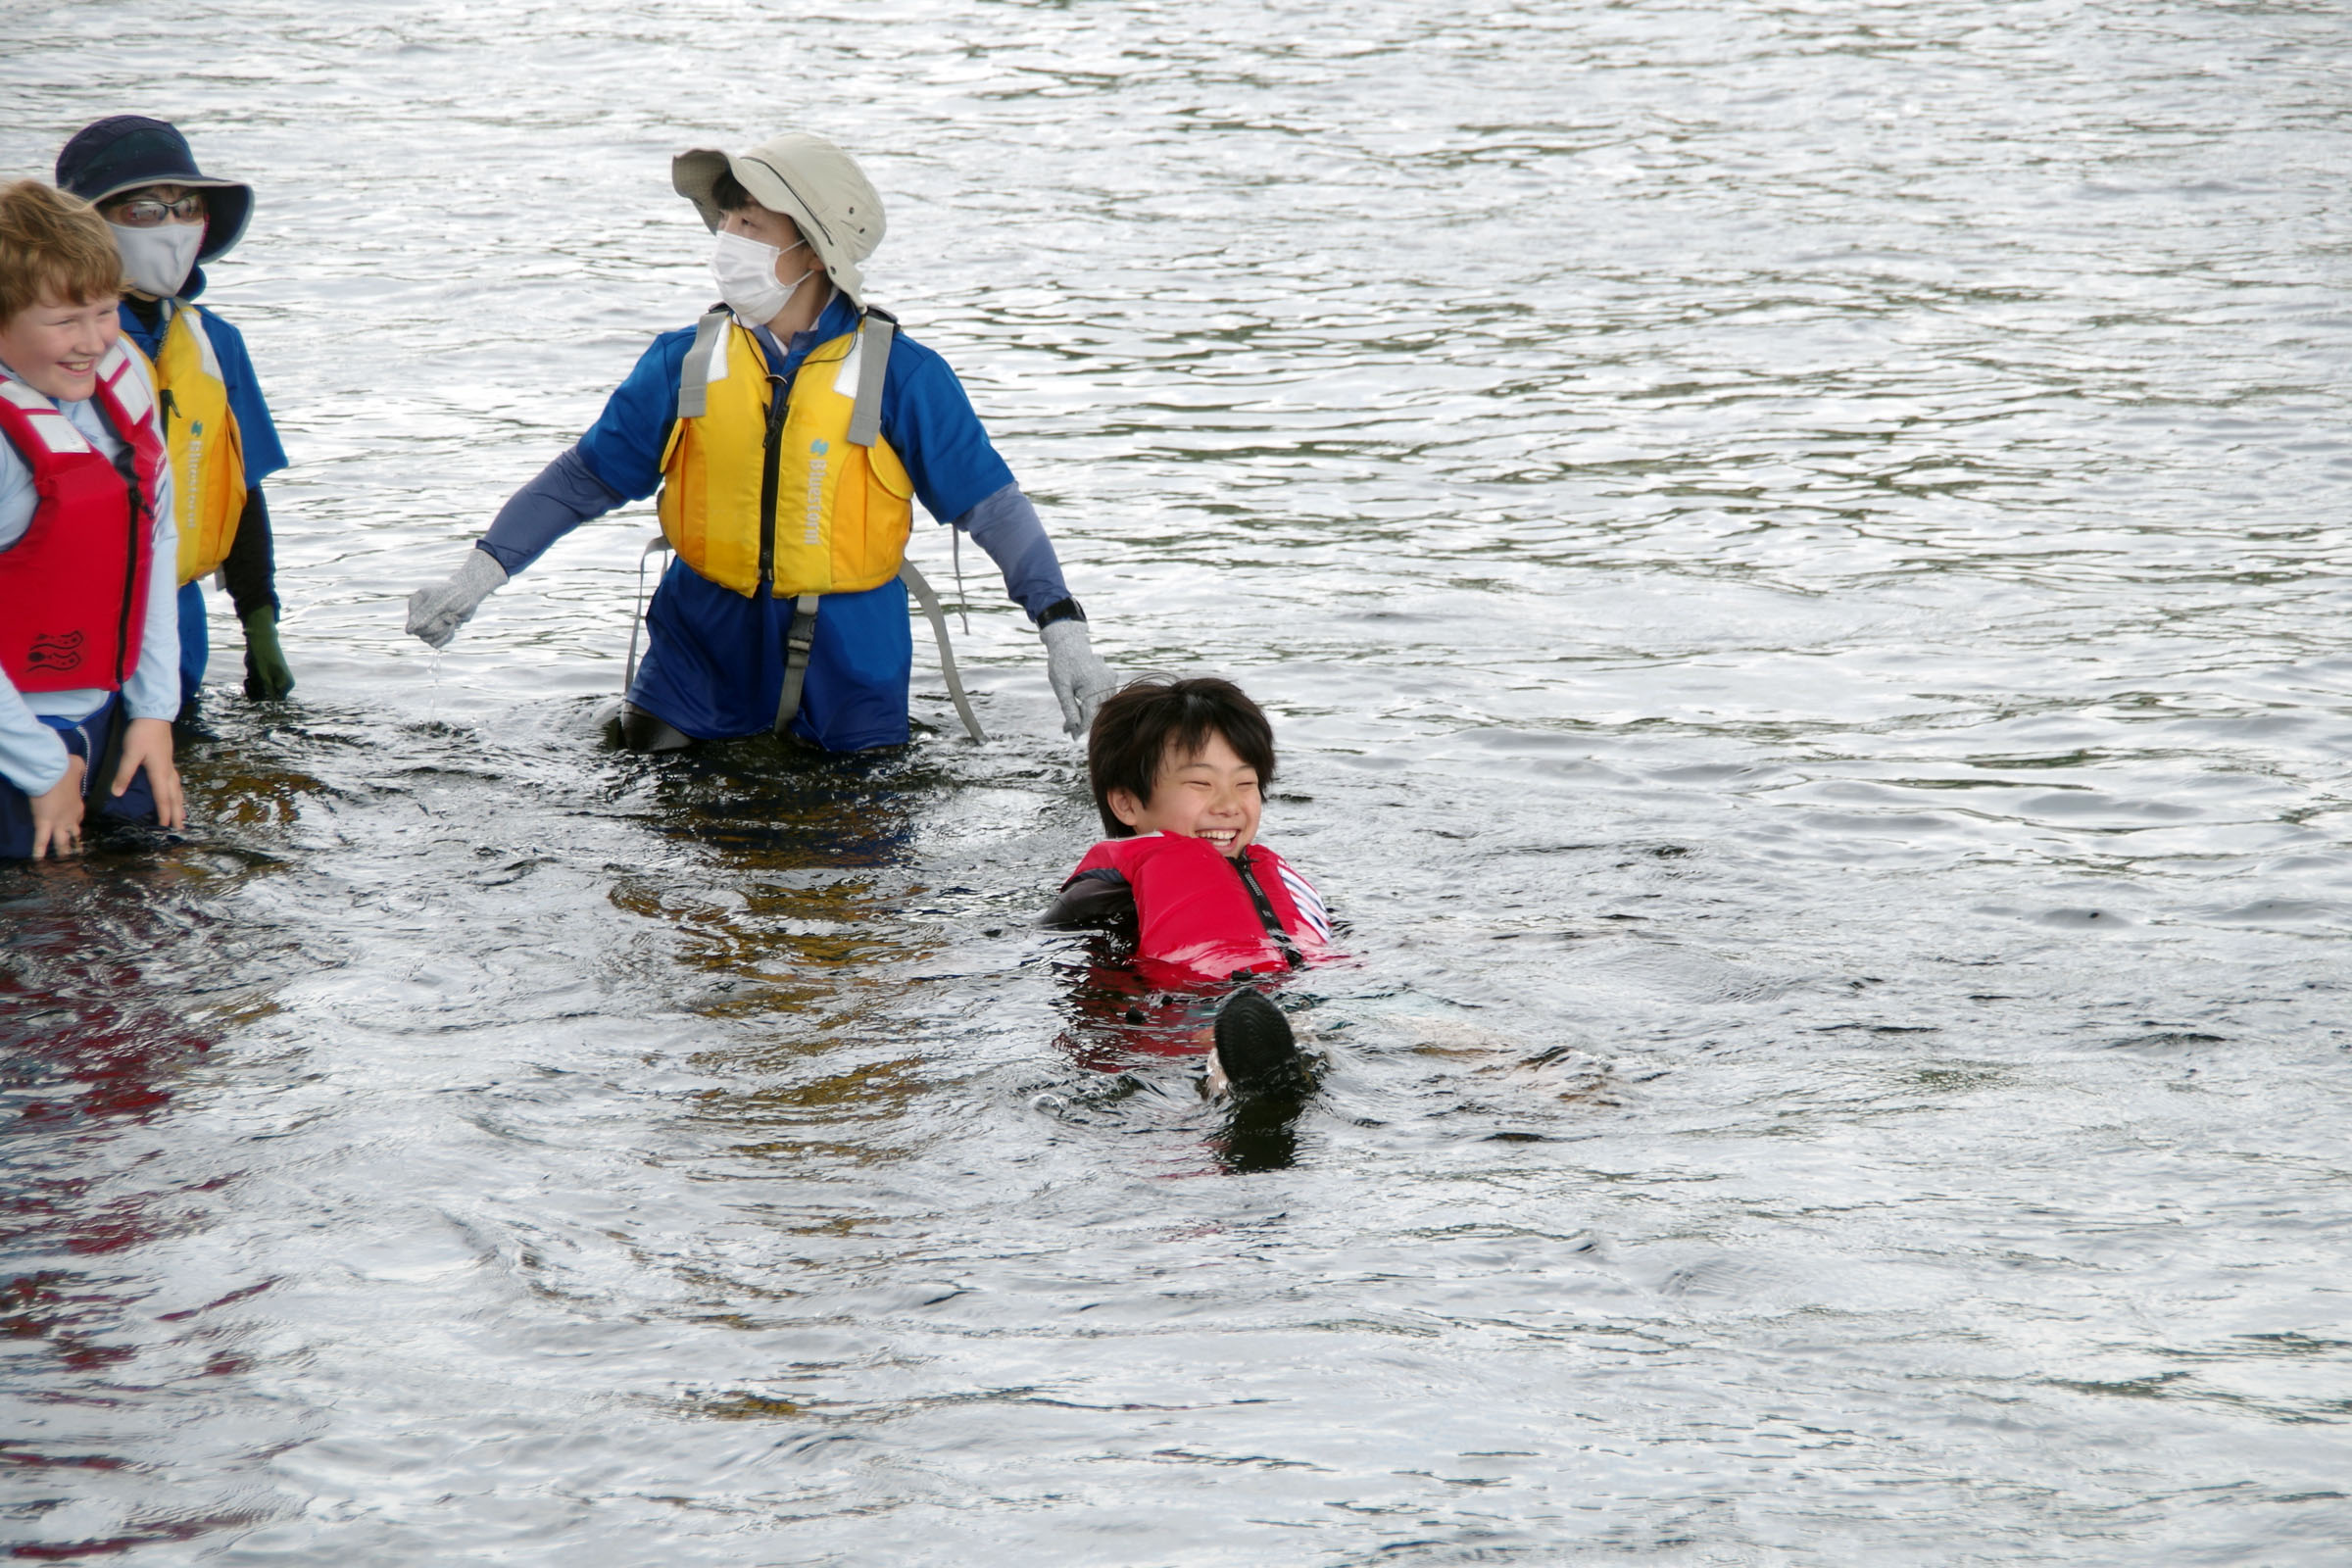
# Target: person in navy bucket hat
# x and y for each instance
(168, 218)
(123, 152)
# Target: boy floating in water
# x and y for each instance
(1178, 769)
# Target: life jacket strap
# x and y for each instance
(693, 376)
(798, 637)
(1266, 915)
(921, 590)
(873, 364)
(628, 678)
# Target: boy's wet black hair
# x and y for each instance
(728, 195)
(1144, 724)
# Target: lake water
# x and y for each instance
(1796, 553)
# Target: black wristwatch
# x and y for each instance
(1059, 609)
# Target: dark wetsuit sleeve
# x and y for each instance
(1098, 897)
(251, 567)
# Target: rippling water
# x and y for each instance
(1796, 553)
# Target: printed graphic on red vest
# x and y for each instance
(57, 652)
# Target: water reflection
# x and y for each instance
(98, 1044)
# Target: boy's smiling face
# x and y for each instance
(55, 345)
(1210, 795)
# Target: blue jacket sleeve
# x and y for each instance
(31, 756)
(153, 690)
(264, 455)
(619, 460)
(623, 449)
(930, 424)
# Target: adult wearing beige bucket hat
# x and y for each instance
(806, 179)
(788, 431)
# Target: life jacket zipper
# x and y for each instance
(779, 395)
(130, 568)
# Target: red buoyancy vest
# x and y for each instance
(74, 587)
(1195, 908)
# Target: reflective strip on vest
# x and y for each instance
(843, 510)
(56, 431)
(208, 452)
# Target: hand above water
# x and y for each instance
(1080, 679)
(147, 744)
(435, 613)
(57, 815)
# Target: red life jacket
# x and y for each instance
(1208, 916)
(74, 587)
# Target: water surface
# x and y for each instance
(1796, 553)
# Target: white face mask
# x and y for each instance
(746, 271)
(157, 261)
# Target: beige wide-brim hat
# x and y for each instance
(807, 179)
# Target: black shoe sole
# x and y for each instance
(1256, 1048)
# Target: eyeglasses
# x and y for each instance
(149, 213)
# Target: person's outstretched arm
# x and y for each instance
(617, 461)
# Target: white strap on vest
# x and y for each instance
(118, 374)
(798, 637)
(872, 354)
(56, 431)
(695, 375)
(628, 678)
(863, 375)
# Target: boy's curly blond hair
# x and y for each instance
(53, 246)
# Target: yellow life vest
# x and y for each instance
(819, 505)
(208, 455)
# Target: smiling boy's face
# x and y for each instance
(56, 345)
(1210, 795)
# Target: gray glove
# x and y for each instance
(435, 613)
(1080, 679)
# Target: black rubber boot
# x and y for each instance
(1256, 1048)
(641, 731)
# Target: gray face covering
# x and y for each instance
(157, 261)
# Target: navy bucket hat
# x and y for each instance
(123, 152)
